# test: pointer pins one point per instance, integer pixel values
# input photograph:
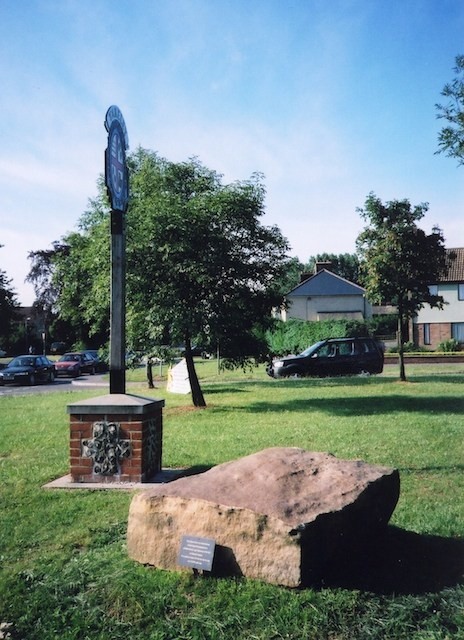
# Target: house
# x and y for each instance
(433, 326)
(326, 296)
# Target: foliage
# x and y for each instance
(65, 572)
(451, 137)
(383, 325)
(212, 267)
(291, 276)
(293, 336)
(47, 288)
(398, 260)
(408, 347)
(449, 346)
(200, 265)
(164, 353)
(8, 314)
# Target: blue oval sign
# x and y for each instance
(116, 174)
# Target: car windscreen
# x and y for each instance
(310, 350)
(22, 362)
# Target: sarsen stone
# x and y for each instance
(280, 515)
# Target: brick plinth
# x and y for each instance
(134, 451)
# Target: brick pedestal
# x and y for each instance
(115, 438)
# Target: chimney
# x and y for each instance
(322, 265)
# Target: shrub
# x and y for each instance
(384, 325)
(449, 346)
(409, 347)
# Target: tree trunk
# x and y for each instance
(197, 394)
(400, 346)
(150, 374)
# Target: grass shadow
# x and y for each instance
(365, 406)
(438, 378)
(212, 390)
(358, 380)
(400, 562)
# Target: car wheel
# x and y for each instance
(296, 375)
(51, 377)
(32, 379)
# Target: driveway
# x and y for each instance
(60, 384)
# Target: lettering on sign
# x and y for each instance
(197, 553)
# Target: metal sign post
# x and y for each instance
(117, 183)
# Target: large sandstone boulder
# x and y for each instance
(280, 515)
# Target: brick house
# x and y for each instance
(432, 326)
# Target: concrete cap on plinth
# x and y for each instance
(115, 403)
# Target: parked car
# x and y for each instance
(100, 365)
(74, 363)
(28, 369)
(58, 347)
(332, 357)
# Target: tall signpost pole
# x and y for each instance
(117, 183)
(116, 437)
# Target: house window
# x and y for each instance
(433, 289)
(427, 333)
(457, 331)
(461, 291)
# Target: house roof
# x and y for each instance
(456, 266)
(326, 283)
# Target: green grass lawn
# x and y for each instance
(64, 571)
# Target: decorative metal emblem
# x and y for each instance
(106, 448)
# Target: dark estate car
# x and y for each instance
(75, 363)
(28, 370)
(57, 347)
(332, 357)
(100, 365)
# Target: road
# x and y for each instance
(60, 384)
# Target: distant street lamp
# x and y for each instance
(27, 333)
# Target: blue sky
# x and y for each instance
(329, 99)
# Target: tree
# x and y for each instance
(46, 291)
(398, 260)
(41, 275)
(60, 277)
(199, 255)
(8, 307)
(451, 137)
(292, 275)
(200, 265)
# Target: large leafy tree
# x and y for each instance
(398, 260)
(200, 265)
(41, 276)
(451, 136)
(8, 310)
